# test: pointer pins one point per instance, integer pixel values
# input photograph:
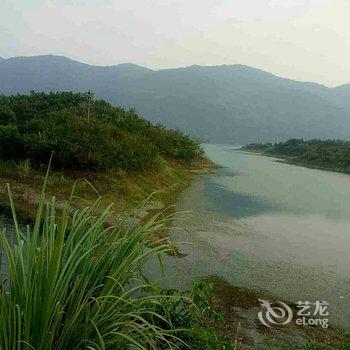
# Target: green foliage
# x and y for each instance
(332, 154)
(60, 180)
(7, 116)
(73, 283)
(24, 168)
(11, 142)
(171, 143)
(257, 147)
(191, 312)
(33, 126)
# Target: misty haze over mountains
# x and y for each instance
(233, 104)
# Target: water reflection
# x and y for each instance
(234, 204)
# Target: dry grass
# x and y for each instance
(124, 190)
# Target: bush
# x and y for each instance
(11, 142)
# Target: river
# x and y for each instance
(268, 226)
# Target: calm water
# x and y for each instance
(267, 226)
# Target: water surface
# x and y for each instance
(268, 226)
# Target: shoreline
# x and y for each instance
(124, 190)
(289, 160)
(241, 306)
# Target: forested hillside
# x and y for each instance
(231, 104)
(327, 154)
(85, 134)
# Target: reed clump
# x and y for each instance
(72, 282)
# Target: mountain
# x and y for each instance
(229, 103)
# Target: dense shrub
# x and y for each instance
(171, 143)
(85, 134)
(11, 142)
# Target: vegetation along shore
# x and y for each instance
(105, 151)
(89, 235)
(331, 155)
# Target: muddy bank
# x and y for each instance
(241, 306)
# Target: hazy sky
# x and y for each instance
(299, 39)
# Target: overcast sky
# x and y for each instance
(299, 39)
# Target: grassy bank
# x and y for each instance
(124, 190)
(74, 282)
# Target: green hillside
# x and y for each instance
(325, 154)
(85, 134)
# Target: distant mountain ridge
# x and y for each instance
(229, 103)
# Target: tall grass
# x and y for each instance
(24, 168)
(74, 283)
